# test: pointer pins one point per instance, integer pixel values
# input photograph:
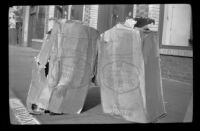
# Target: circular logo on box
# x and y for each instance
(120, 76)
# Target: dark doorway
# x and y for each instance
(120, 12)
(61, 12)
(110, 15)
(77, 12)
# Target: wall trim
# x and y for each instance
(176, 47)
(37, 40)
(176, 52)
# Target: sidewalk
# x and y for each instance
(176, 94)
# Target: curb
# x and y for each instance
(20, 112)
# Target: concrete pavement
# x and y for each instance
(20, 67)
(177, 94)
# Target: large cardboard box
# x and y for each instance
(72, 52)
(129, 75)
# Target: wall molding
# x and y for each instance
(177, 52)
(37, 40)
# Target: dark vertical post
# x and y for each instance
(160, 27)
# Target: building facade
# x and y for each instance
(173, 24)
(101, 17)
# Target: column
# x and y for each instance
(26, 10)
(69, 12)
(154, 12)
(93, 16)
(86, 15)
(134, 10)
(51, 13)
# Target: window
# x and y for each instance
(175, 29)
(177, 25)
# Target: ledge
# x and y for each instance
(176, 52)
(37, 40)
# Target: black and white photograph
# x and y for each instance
(100, 64)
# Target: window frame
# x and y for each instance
(178, 50)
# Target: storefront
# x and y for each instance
(174, 38)
(38, 23)
(103, 17)
(173, 25)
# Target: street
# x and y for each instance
(177, 95)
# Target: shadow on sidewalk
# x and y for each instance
(93, 99)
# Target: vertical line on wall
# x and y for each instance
(46, 20)
(26, 25)
(170, 30)
(160, 24)
(69, 12)
(83, 15)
